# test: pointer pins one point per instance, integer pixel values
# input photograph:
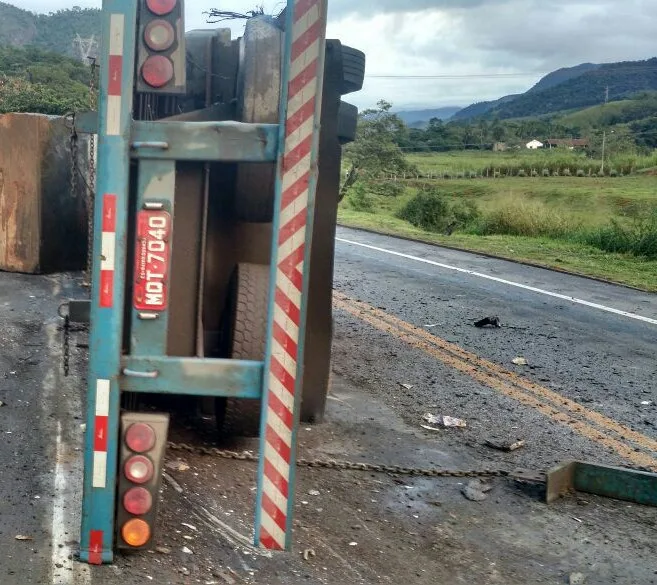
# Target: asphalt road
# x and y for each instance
(405, 314)
(589, 342)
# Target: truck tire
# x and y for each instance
(353, 70)
(247, 319)
(259, 93)
(347, 123)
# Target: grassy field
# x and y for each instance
(569, 223)
(487, 162)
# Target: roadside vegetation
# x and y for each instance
(550, 207)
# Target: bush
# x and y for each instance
(534, 173)
(518, 218)
(581, 173)
(555, 173)
(386, 188)
(546, 172)
(447, 176)
(359, 199)
(613, 173)
(432, 211)
(638, 239)
(522, 173)
(567, 173)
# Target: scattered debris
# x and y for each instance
(577, 519)
(508, 446)
(307, 553)
(184, 571)
(177, 465)
(190, 526)
(172, 482)
(432, 325)
(187, 551)
(225, 576)
(163, 550)
(519, 361)
(406, 386)
(576, 579)
(314, 492)
(476, 490)
(2, 403)
(442, 421)
(83, 427)
(23, 537)
(352, 543)
(489, 322)
(643, 403)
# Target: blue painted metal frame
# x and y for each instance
(272, 281)
(156, 184)
(107, 324)
(205, 141)
(192, 376)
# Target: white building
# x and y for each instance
(534, 145)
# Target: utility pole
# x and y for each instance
(607, 95)
(604, 145)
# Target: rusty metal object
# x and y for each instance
(619, 483)
(42, 224)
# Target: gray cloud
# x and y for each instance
(461, 37)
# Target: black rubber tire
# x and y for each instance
(248, 320)
(353, 70)
(347, 123)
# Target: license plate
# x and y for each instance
(152, 261)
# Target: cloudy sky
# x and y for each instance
(475, 49)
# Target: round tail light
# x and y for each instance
(161, 7)
(136, 532)
(140, 438)
(139, 469)
(159, 35)
(157, 71)
(137, 501)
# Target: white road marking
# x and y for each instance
(541, 291)
(66, 503)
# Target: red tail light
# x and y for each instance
(159, 35)
(140, 437)
(137, 501)
(139, 469)
(157, 71)
(161, 7)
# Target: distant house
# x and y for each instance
(534, 145)
(569, 143)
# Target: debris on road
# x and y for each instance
(313, 492)
(442, 421)
(643, 403)
(163, 550)
(187, 551)
(307, 553)
(190, 526)
(406, 386)
(177, 465)
(576, 579)
(519, 361)
(172, 482)
(508, 446)
(352, 543)
(489, 322)
(2, 403)
(476, 490)
(23, 537)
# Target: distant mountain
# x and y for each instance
(571, 88)
(482, 108)
(562, 75)
(418, 118)
(56, 31)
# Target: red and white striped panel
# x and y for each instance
(303, 113)
(100, 434)
(114, 86)
(108, 252)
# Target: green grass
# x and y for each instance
(487, 162)
(552, 222)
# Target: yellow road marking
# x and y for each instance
(607, 431)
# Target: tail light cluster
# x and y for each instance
(143, 444)
(161, 55)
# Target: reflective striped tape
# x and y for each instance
(115, 73)
(302, 123)
(108, 252)
(99, 476)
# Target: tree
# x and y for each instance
(376, 148)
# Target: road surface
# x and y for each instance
(405, 345)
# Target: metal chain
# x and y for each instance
(91, 189)
(343, 465)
